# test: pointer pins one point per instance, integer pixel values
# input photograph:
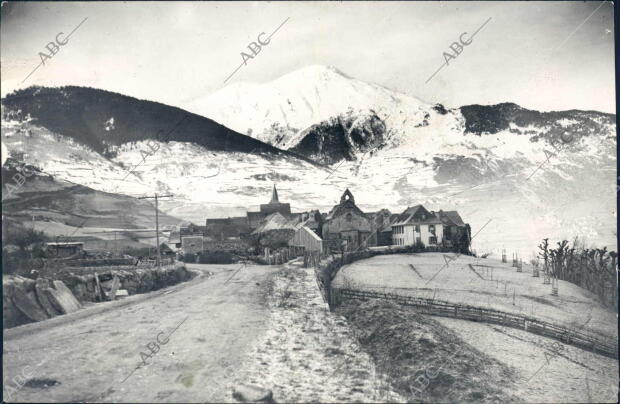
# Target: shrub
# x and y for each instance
(592, 269)
(419, 246)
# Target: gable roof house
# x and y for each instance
(418, 225)
(346, 226)
(306, 238)
(382, 225)
(227, 228)
(456, 233)
(275, 231)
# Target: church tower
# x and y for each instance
(275, 205)
(274, 195)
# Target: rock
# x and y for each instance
(28, 304)
(112, 286)
(98, 290)
(41, 286)
(62, 298)
(248, 393)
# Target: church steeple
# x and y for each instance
(274, 195)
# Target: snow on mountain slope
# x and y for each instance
(62, 157)
(320, 113)
(515, 175)
(571, 194)
(276, 112)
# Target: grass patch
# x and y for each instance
(424, 361)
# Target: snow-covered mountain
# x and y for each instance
(277, 111)
(515, 175)
(320, 113)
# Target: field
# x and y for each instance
(486, 283)
(537, 374)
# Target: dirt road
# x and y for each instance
(204, 328)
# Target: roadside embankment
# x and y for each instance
(424, 361)
(26, 300)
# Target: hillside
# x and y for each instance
(103, 120)
(446, 359)
(531, 174)
(558, 125)
(491, 284)
(440, 359)
(62, 208)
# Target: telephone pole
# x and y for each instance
(156, 197)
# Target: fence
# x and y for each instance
(281, 255)
(567, 335)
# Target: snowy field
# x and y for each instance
(573, 376)
(229, 184)
(493, 285)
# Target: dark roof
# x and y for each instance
(228, 227)
(407, 213)
(451, 216)
(412, 214)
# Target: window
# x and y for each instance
(432, 240)
(417, 228)
(349, 217)
(431, 228)
(418, 240)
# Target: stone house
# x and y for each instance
(346, 226)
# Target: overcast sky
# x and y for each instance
(541, 55)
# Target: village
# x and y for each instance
(275, 232)
(286, 296)
(288, 208)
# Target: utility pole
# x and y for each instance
(156, 197)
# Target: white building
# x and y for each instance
(416, 224)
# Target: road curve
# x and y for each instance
(205, 328)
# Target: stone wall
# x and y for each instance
(135, 281)
(83, 286)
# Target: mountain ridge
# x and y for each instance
(104, 120)
(282, 113)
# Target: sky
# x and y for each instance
(541, 55)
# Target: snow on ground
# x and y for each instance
(571, 195)
(573, 375)
(64, 158)
(502, 287)
(308, 353)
